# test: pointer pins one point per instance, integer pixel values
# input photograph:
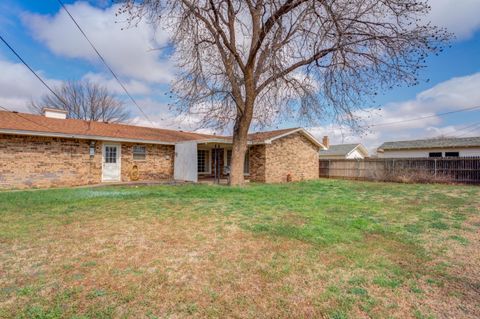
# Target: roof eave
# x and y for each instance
(83, 137)
(428, 147)
(362, 148)
(301, 130)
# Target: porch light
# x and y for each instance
(92, 149)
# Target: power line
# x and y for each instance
(36, 75)
(426, 117)
(25, 118)
(104, 62)
(31, 70)
(467, 127)
(476, 127)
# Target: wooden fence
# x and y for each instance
(453, 170)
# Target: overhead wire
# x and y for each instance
(104, 61)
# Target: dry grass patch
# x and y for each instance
(175, 266)
(324, 249)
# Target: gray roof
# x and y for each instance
(432, 143)
(338, 150)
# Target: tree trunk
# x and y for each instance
(240, 131)
(239, 149)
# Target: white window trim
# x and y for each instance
(133, 153)
(209, 164)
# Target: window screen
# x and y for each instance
(435, 154)
(139, 153)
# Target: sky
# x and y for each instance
(47, 39)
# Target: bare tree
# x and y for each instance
(260, 61)
(84, 100)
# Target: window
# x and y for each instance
(435, 154)
(246, 163)
(203, 161)
(111, 154)
(452, 154)
(139, 153)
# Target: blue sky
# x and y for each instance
(51, 44)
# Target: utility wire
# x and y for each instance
(426, 117)
(104, 62)
(31, 70)
(467, 127)
(25, 118)
(477, 126)
(36, 75)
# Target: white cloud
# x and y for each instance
(458, 16)
(454, 94)
(18, 86)
(131, 52)
(161, 116)
(172, 122)
(132, 86)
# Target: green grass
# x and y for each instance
(323, 248)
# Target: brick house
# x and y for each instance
(52, 151)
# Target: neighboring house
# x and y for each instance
(50, 150)
(344, 151)
(439, 147)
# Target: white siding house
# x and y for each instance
(441, 147)
(344, 151)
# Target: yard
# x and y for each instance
(332, 249)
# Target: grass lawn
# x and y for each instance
(323, 249)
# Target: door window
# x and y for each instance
(111, 154)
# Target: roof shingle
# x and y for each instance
(30, 123)
(338, 150)
(432, 143)
(37, 123)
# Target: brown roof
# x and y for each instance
(39, 124)
(262, 136)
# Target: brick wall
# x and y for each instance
(158, 163)
(293, 154)
(29, 161)
(257, 163)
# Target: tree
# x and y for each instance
(260, 61)
(84, 100)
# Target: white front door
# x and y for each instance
(111, 163)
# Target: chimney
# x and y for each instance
(326, 142)
(55, 113)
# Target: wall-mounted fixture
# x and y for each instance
(92, 149)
